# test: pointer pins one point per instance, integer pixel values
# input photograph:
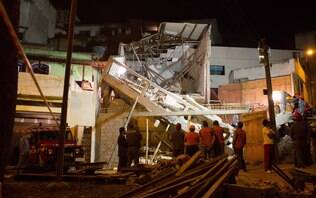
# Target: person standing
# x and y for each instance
(177, 139)
(219, 144)
(239, 141)
(268, 146)
(122, 149)
(207, 139)
(191, 140)
(300, 134)
(133, 139)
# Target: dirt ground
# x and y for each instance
(34, 189)
(255, 177)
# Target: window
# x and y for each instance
(217, 69)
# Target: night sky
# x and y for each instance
(241, 23)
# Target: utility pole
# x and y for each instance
(60, 159)
(263, 49)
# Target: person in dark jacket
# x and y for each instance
(219, 144)
(300, 134)
(177, 139)
(133, 138)
(122, 149)
(239, 141)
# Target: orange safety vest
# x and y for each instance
(219, 134)
(206, 136)
(191, 138)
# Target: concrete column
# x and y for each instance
(93, 141)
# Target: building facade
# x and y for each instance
(83, 101)
(37, 21)
(224, 61)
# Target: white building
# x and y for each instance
(37, 21)
(225, 60)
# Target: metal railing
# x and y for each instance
(228, 106)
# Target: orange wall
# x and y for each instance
(251, 92)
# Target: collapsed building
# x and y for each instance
(163, 76)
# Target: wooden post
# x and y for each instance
(264, 56)
(60, 159)
(189, 163)
(131, 112)
(159, 144)
(147, 146)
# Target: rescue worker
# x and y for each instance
(177, 140)
(268, 146)
(122, 149)
(24, 148)
(219, 144)
(239, 141)
(191, 141)
(133, 138)
(300, 134)
(207, 139)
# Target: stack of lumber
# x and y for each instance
(194, 178)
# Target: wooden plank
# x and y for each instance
(207, 173)
(189, 163)
(187, 175)
(210, 180)
(220, 181)
(152, 182)
(204, 178)
(166, 189)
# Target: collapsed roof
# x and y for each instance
(175, 58)
(157, 69)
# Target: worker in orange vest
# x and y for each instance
(207, 139)
(191, 141)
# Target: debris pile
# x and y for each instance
(187, 177)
